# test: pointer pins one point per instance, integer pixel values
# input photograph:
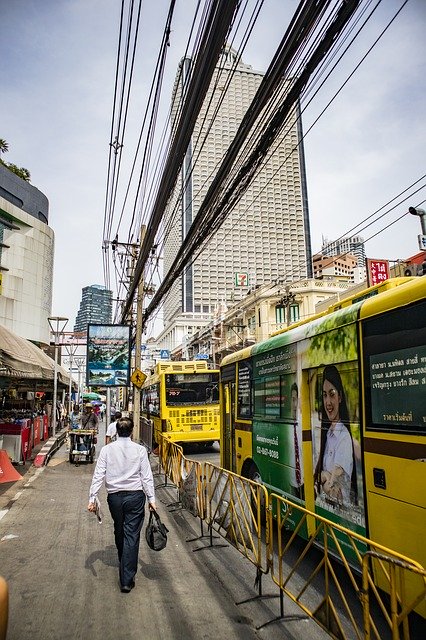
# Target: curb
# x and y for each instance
(49, 448)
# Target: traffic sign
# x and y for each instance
(202, 356)
(138, 378)
(422, 242)
(165, 354)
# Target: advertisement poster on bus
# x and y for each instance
(331, 358)
(108, 355)
(321, 372)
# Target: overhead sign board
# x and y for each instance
(165, 354)
(108, 355)
(202, 356)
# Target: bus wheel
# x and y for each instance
(254, 474)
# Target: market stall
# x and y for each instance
(26, 391)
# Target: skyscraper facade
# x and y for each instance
(95, 307)
(266, 236)
(353, 245)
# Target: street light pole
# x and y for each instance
(422, 214)
(57, 325)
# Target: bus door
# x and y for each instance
(227, 444)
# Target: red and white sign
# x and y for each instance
(377, 271)
(241, 280)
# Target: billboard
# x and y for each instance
(108, 355)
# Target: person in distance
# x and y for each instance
(124, 465)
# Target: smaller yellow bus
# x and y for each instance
(180, 401)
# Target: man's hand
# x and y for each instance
(91, 507)
(152, 506)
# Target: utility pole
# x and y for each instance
(138, 349)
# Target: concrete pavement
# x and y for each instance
(62, 571)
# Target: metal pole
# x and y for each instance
(138, 351)
(54, 323)
(69, 389)
(55, 385)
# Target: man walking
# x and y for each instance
(128, 480)
(111, 432)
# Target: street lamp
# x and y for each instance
(57, 325)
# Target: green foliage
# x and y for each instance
(19, 171)
(4, 147)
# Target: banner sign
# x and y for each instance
(377, 271)
(108, 355)
(241, 280)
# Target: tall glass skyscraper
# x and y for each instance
(95, 307)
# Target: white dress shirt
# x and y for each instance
(125, 466)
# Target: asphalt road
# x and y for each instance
(62, 571)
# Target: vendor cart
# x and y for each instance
(82, 445)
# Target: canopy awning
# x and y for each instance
(21, 359)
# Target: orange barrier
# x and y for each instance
(4, 608)
(8, 472)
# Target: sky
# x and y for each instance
(57, 76)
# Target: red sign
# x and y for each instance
(377, 271)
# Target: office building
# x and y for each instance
(353, 245)
(266, 236)
(26, 258)
(95, 307)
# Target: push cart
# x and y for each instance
(82, 445)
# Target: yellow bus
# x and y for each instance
(331, 414)
(180, 401)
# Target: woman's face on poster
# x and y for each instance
(331, 399)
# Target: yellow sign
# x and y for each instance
(138, 378)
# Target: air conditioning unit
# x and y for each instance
(412, 270)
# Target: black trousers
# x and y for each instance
(127, 509)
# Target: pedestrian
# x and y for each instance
(111, 432)
(124, 465)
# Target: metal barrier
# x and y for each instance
(235, 509)
(191, 488)
(333, 593)
(369, 595)
(405, 595)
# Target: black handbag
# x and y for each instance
(156, 532)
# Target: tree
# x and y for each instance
(19, 171)
(4, 147)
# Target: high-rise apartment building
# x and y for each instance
(95, 307)
(353, 245)
(265, 237)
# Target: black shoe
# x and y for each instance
(127, 587)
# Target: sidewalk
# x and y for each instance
(62, 571)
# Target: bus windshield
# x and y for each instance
(192, 388)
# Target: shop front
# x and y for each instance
(26, 392)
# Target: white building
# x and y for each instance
(265, 237)
(26, 259)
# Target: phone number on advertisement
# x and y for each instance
(270, 453)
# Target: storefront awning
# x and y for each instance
(20, 358)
